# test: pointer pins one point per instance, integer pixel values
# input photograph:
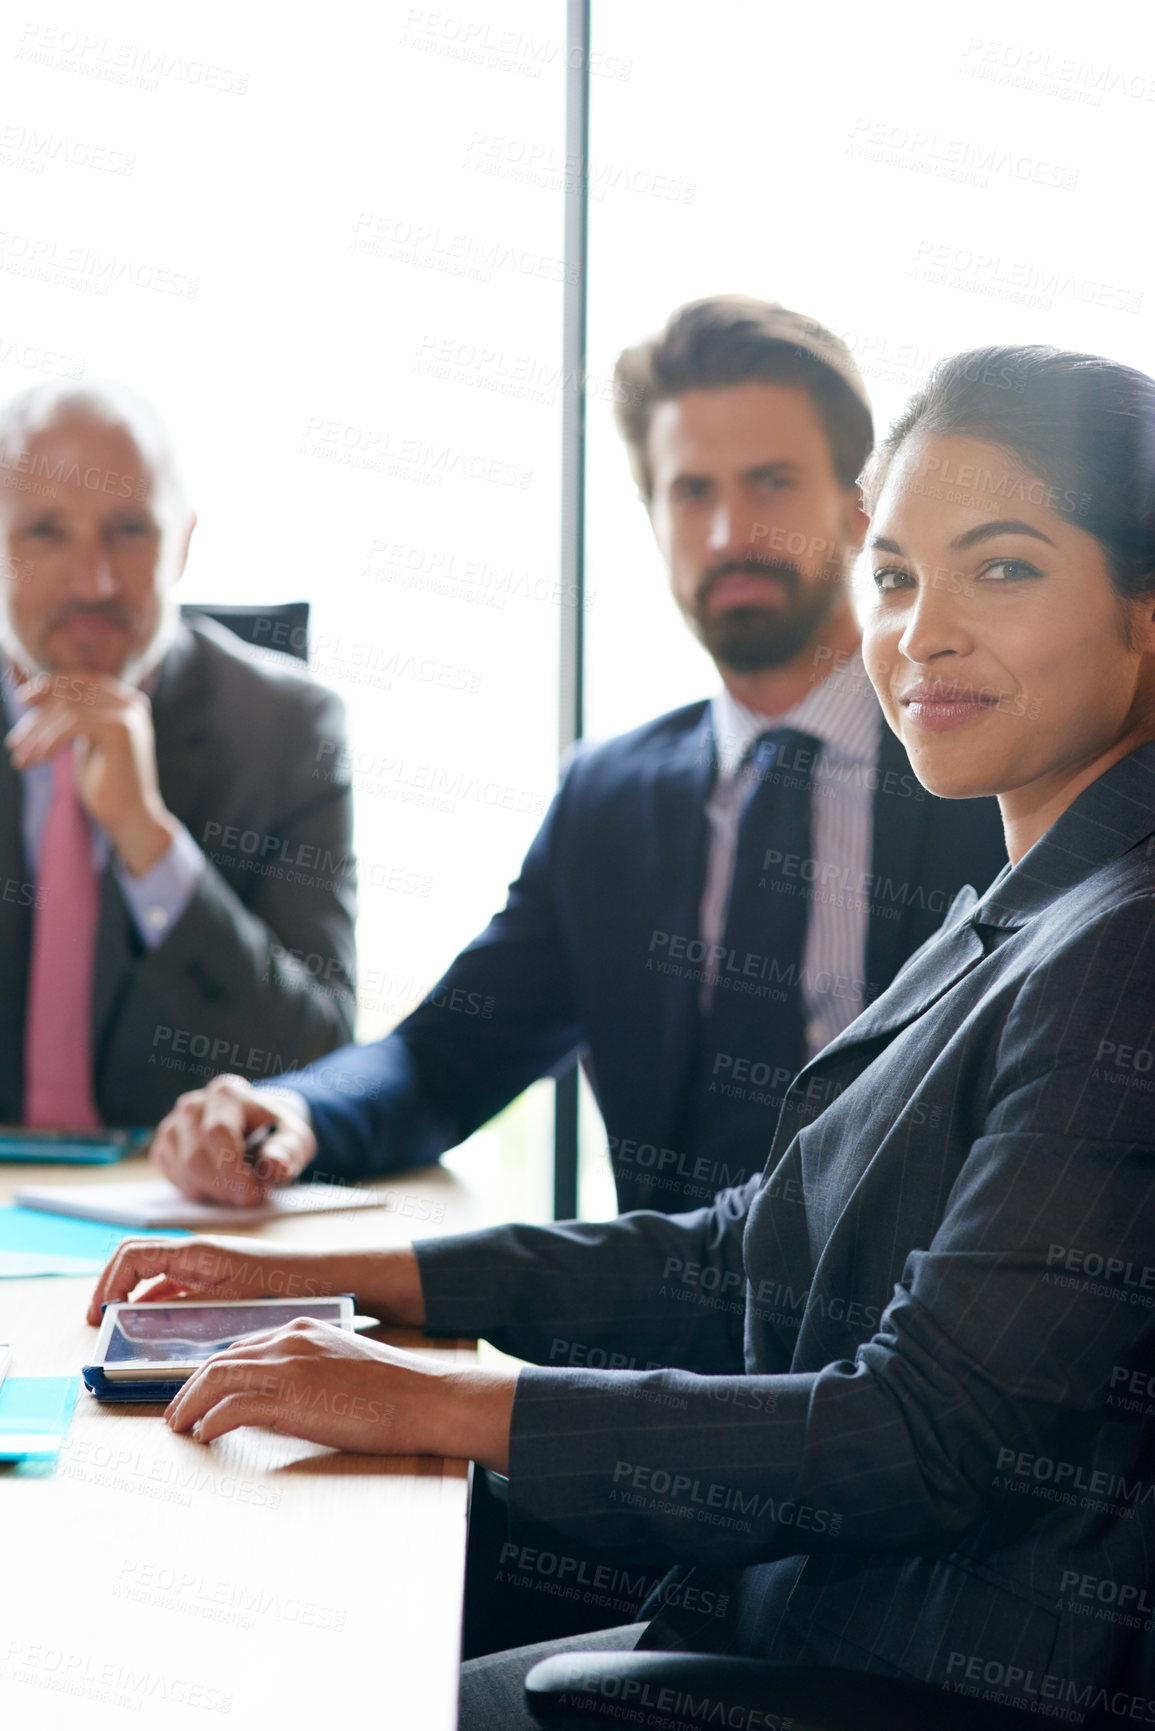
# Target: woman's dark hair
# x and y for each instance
(1084, 425)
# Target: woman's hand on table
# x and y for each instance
(309, 1379)
(321, 1383)
(243, 1268)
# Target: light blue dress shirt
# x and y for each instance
(157, 900)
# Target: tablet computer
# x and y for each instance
(31, 1146)
(146, 1351)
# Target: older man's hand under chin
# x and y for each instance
(203, 1145)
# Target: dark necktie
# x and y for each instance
(754, 1034)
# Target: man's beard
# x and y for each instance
(137, 665)
(751, 638)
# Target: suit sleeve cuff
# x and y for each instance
(157, 900)
(469, 1282)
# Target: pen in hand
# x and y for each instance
(254, 1142)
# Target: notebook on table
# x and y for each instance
(157, 1203)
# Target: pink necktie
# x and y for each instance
(58, 1024)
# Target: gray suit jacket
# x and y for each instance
(257, 974)
(909, 1428)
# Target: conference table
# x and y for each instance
(260, 1579)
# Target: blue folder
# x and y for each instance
(36, 1243)
(35, 1413)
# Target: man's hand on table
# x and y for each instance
(308, 1379)
(200, 1146)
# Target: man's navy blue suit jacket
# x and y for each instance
(578, 961)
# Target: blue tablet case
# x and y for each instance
(117, 1393)
(127, 1393)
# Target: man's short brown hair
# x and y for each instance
(737, 340)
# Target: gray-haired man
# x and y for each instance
(142, 941)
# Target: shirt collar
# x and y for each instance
(842, 711)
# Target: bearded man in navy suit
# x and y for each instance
(711, 898)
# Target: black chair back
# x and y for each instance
(280, 625)
(684, 1691)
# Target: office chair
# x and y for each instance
(280, 625)
(574, 1692)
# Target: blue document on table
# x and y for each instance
(69, 1147)
(33, 1243)
(35, 1413)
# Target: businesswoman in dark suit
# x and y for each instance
(907, 1424)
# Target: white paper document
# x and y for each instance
(155, 1202)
